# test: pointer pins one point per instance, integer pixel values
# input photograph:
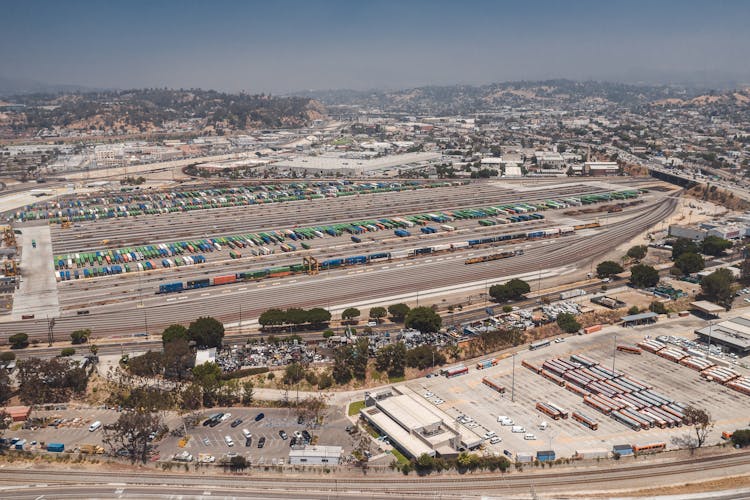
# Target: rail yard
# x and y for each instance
(142, 272)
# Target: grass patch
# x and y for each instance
(399, 456)
(355, 407)
(393, 380)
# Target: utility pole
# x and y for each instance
(513, 383)
(240, 325)
(614, 353)
(50, 333)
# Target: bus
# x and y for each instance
(538, 345)
(650, 448)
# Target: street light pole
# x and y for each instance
(614, 353)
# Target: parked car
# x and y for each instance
(228, 440)
(259, 417)
(283, 435)
(262, 442)
(236, 422)
(307, 436)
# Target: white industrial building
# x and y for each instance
(414, 426)
(699, 232)
(329, 165)
(549, 160)
(601, 168)
(316, 455)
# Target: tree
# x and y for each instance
(378, 312)
(657, 307)
(177, 359)
(18, 341)
(423, 319)
(174, 332)
(701, 421)
(741, 437)
(745, 271)
(637, 252)
(392, 359)
(7, 356)
(206, 332)
(131, 432)
(318, 317)
(634, 310)
(208, 377)
(424, 356)
(248, 393)
(608, 269)
(567, 322)
(360, 356)
(398, 312)
(6, 391)
(294, 373)
(342, 370)
(713, 245)
(717, 287)
(683, 245)
(350, 314)
(272, 317)
(643, 276)
(80, 336)
(518, 287)
(328, 334)
(689, 263)
(67, 351)
(52, 380)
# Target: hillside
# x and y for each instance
(154, 110)
(462, 99)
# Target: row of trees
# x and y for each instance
(397, 312)
(315, 318)
(351, 361)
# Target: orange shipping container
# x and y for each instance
(592, 329)
(222, 280)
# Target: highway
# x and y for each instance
(371, 283)
(623, 476)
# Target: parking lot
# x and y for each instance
(210, 440)
(466, 395)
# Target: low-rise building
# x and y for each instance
(316, 455)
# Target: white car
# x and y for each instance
(496, 439)
(489, 434)
(517, 429)
(529, 437)
(225, 417)
(229, 441)
(503, 420)
(428, 394)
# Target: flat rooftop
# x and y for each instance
(408, 412)
(357, 164)
(408, 443)
(735, 332)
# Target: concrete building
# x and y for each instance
(108, 157)
(316, 455)
(700, 231)
(549, 160)
(601, 168)
(734, 334)
(414, 426)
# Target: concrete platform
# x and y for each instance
(37, 293)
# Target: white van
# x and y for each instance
(517, 429)
(529, 437)
(229, 441)
(246, 433)
(495, 440)
(503, 420)
(543, 426)
(95, 426)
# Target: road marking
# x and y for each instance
(172, 299)
(428, 260)
(385, 267)
(276, 283)
(360, 271)
(119, 491)
(181, 298)
(438, 260)
(293, 281)
(409, 263)
(243, 289)
(205, 294)
(399, 265)
(261, 285)
(470, 254)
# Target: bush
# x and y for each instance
(657, 307)
(741, 437)
(643, 276)
(7, 356)
(608, 269)
(18, 341)
(567, 322)
(67, 351)
(245, 372)
(634, 310)
(328, 334)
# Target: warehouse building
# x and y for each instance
(316, 455)
(415, 426)
(734, 334)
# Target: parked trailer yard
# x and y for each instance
(468, 395)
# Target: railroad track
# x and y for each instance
(341, 288)
(394, 484)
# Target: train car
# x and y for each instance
(171, 287)
(224, 280)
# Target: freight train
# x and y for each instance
(281, 271)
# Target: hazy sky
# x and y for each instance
(281, 46)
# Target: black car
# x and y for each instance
(249, 441)
(207, 422)
(300, 420)
(283, 435)
(236, 422)
(260, 416)
(262, 442)
(307, 436)
(214, 423)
